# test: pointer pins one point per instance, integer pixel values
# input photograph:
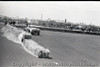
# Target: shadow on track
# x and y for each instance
(47, 58)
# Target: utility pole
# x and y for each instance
(6, 20)
(65, 20)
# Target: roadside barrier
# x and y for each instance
(13, 34)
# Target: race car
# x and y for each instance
(33, 31)
(24, 36)
(44, 53)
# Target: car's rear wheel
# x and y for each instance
(22, 40)
(40, 54)
(46, 55)
(38, 33)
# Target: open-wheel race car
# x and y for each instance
(44, 54)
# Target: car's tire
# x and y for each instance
(32, 33)
(46, 55)
(38, 33)
(22, 40)
(40, 54)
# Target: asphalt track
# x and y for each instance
(64, 47)
(70, 46)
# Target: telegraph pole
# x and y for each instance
(65, 20)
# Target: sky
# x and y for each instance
(74, 11)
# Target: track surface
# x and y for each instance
(70, 46)
(64, 47)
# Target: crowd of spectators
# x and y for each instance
(72, 27)
(58, 25)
